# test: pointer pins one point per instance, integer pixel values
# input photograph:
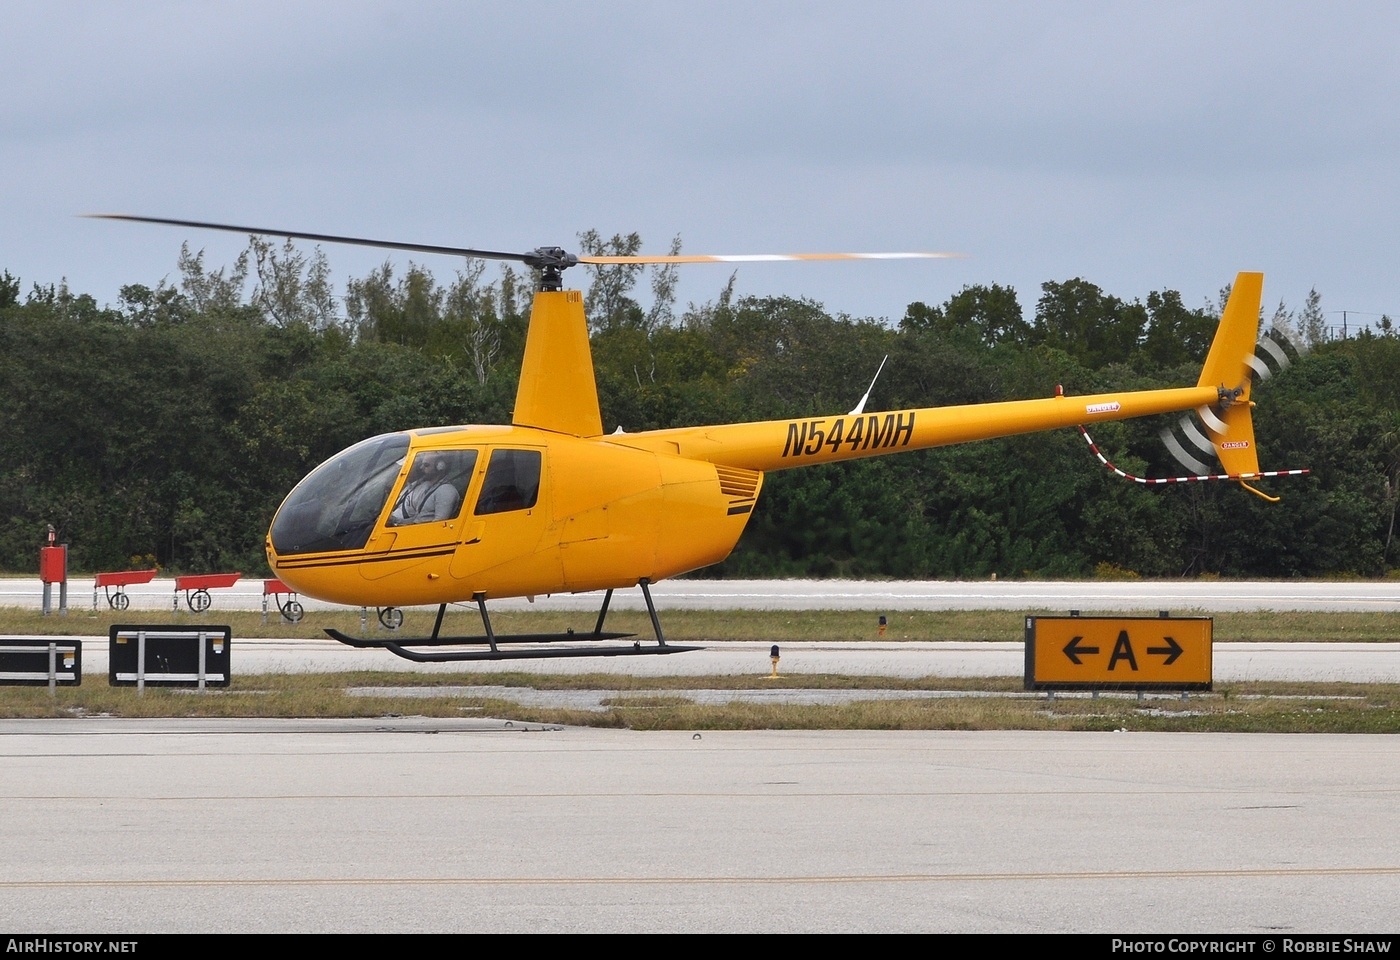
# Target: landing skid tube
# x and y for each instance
(399, 646)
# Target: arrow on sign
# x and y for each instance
(1073, 650)
(1172, 650)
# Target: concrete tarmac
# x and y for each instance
(1180, 596)
(1340, 662)
(414, 826)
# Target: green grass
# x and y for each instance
(1371, 714)
(1237, 707)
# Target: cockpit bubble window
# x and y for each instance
(436, 485)
(512, 482)
(335, 508)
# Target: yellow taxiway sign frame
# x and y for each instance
(1119, 653)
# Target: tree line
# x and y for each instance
(167, 428)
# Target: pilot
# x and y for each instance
(428, 496)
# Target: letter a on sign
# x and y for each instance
(1122, 650)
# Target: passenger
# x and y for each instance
(427, 496)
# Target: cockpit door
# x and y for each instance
(506, 523)
(424, 522)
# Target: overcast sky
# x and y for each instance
(1139, 146)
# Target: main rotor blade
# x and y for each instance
(548, 257)
(764, 257)
(321, 237)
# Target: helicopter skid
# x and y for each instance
(492, 640)
(399, 647)
(454, 641)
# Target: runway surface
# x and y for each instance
(1179, 596)
(1341, 662)
(400, 825)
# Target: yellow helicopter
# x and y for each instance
(550, 504)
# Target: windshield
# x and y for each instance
(335, 508)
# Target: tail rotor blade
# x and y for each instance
(1270, 346)
(1179, 454)
(1271, 357)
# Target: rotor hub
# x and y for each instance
(551, 262)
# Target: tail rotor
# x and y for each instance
(1185, 440)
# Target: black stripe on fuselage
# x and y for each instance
(416, 554)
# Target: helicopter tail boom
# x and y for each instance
(1221, 396)
(781, 444)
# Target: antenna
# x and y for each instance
(860, 407)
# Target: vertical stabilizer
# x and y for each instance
(1227, 364)
(1228, 367)
(557, 390)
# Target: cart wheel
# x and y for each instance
(391, 617)
(292, 611)
(199, 601)
(119, 601)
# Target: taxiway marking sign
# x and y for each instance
(1118, 652)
